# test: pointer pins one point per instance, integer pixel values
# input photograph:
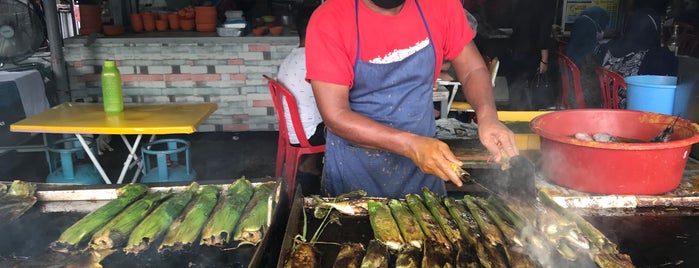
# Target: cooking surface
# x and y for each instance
(25, 242)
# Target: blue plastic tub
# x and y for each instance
(651, 93)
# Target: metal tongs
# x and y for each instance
(519, 176)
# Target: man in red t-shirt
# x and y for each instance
(372, 65)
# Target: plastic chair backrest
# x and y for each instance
(570, 71)
(610, 82)
(281, 96)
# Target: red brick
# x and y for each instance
(236, 127)
(77, 64)
(235, 62)
(206, 77)
(178, 77)
(238, 77)
(141, 77)
(262, 103)
(259, 48)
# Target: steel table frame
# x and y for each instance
(136, 119)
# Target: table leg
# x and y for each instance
(132, 155)
(92, 157)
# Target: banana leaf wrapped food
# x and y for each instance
(384, 226)
(16, 199)
(82, 230)
(115, 233)
(219, 228)
(407, 224)
(185, 230)
(350, 255)
(377, 255)
(464, 253)
(253, 224)
(158, 221)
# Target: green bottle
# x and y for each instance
(111, 88)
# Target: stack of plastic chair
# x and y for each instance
(167, 153)
(65, 166)
(570, 74)
(288, 156)
(610, 82)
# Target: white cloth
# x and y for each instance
(31, 89)
(292, 75)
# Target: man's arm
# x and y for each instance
(475, 78)
(432, 156)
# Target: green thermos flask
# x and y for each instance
(111, 88)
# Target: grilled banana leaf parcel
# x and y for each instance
(88, 225)
(186, 228)
(16, 199)
(115, 233)
(157, 222)
(350, 255)
(377, 255)
(253, 223)
(219, 228)
(408, 225)
(384, 226)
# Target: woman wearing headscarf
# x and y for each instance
(638, 51)
(585, 36)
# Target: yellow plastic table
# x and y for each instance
(136, 119)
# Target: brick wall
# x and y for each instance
(225, 71)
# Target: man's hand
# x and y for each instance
(434, 157)
(492, 132)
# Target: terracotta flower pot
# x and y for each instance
(90, 20)
(174, 21)
(205, 15)
(206, 27)
(111, 30)
(136, 22)
(260, 30)
(148, 21)
(187, 24)
(161, 25)
(276, 30)
(162, 16)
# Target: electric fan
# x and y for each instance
(22, 31)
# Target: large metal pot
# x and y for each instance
(613, 168)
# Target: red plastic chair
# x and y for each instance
(609, 83)
(570, 70)
(288, 156)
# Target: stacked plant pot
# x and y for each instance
(205, 18)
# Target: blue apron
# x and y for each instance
(398, 95)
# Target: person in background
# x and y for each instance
(372, 65)
(585, 37)
(638, 50)
(530, 42)
(292, 74)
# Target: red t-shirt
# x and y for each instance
(331, 39)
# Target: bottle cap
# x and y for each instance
(109, 63)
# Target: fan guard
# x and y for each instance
(22, 31)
